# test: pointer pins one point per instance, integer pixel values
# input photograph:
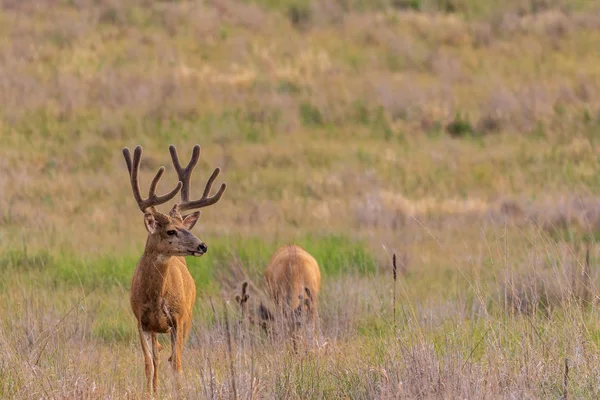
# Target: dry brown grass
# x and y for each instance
(465, 344)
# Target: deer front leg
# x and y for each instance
(148, 362)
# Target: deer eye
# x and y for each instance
(171, 233)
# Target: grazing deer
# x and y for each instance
(293, 282)
(162, 290)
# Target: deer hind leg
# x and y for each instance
(312, 319)
(186, 331)
(315, 327)
(294, 324)
(148, 359)
(155, 360)
(176, 346)
(175, 359)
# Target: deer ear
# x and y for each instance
(174, 213)
(150, 222)
(190, 220)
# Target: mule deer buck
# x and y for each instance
(162, 290)
(293, 283)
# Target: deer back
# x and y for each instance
(290, 273)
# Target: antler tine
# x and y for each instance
(185, 175)
(134, 166)
(206, 201)
(210, 182)
(127, 155)
(156, 200)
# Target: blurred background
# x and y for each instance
(336, 116)
(463, 135)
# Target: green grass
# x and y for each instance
(335, 254)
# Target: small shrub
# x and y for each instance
(380, 124)
(539, 6)
(459, 127)
(253, 135)
(310, 115)
(395, 62)
(587, 118)
(402, 138)
(511, 209)
(416, 5)
(489, 124)
(285, 86)
(110, 16)
(560, 109)
(300, 15)
(361, 112)
(539, 131)
(60, 39)
(447, 6)
(223, 33)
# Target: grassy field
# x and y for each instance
(461, 135)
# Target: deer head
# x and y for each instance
(257, 313)
(170, 235)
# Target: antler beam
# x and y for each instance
(134, 166)
(185, 174)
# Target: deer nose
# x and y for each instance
(202, 248)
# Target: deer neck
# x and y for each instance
(155, 266)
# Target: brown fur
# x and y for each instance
(294, 281)
(291, 270)
(163, 291)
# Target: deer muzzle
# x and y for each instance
(202, 248)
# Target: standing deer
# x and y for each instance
(162, 290)
(293, 282)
